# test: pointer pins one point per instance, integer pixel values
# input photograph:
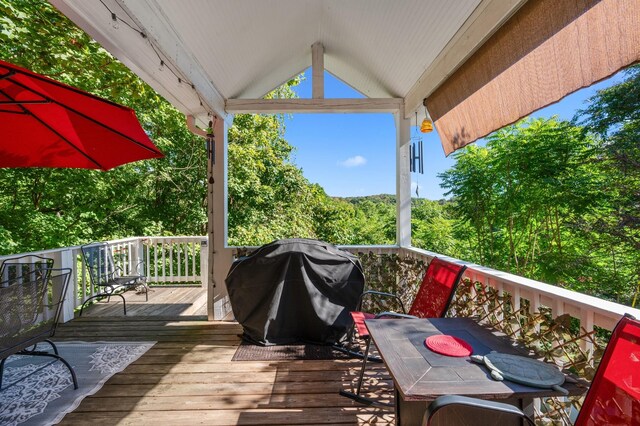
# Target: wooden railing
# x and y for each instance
(183, 261)
(167, 261)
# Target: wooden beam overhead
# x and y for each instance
(317, 67)
(287, 106)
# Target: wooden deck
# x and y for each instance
(188, 377)
(164, 301)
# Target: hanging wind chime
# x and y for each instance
(416, 163)
(416, 152)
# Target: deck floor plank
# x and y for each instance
(188, 377)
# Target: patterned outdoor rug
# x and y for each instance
(39, 390)
(250, 352)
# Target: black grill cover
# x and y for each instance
(295, 290)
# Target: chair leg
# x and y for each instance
(355, 354)
(356, 396)
(97, 296)
(346, 347)
(42, 353)
(2, 371)
(146, 290)
(55, 349)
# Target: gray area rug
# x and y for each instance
(39, 390)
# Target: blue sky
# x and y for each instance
(354, 154)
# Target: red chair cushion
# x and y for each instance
(437, 289)
(614, 395)
(358, 320)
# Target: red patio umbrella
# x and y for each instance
(44, 123)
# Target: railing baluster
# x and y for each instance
(170, 259)
(587, 318)
(189, 261)
(155, 260)
(164, 264)
(179, 262)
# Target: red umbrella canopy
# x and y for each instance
(44, 123)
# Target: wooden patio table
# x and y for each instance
(421, 375)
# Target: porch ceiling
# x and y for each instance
(243, 49)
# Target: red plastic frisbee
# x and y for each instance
(448, 345)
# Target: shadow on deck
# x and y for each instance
(164, 301)
(188, 377)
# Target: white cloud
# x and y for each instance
(356, 161)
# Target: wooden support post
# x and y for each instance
(317, 70)
(204, 262)
(220, 257)
(403, 180)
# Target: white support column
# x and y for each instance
(403, 180)
(317, 70)
(67, 260)
(204, 263)
(220, 257)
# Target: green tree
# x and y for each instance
(519, 194)
(613, 118)
(45, 208)
(432, 227)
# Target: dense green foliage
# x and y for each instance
(548, 199)
(557, 201)
(46, 208)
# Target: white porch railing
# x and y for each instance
(591, 311)
(168, 261)
(183, 261)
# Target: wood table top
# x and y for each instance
(420, 374)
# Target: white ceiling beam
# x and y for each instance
(291, 106)
(483, 22)
(156, 25)
(317, 67)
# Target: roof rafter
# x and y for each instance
(286, 106)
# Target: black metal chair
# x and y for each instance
(24, 265)
(30, 306)
(431, 301)
(106, 275)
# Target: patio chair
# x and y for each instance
(106, 275)
(432, 301)
(30, 306)
(613, 397)
(23, 265)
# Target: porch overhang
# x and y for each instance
(480, 65)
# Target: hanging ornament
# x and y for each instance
(427, 124)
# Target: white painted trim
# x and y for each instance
(158, 29)
(177, 56)
(220, 256)
(285, 106)
(485, 20)
(403, 180)
(317, 67)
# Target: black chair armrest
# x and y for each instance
(142, 272)
(381, 294)
(481, 404)
(394, 315)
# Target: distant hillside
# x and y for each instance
(386, 199)
(380, 198)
